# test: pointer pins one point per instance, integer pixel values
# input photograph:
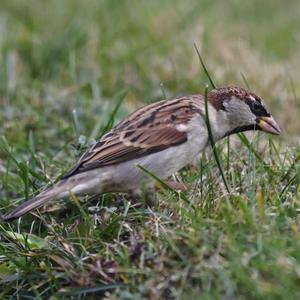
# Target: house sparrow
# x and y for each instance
(162, 137)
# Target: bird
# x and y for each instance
(162, 137)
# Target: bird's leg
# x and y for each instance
(120, 200)
(144, 196)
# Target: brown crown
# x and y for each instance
(217, 96)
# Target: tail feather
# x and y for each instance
(52, 193)
(25, 207)
(80, 184)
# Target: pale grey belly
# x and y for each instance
(162, 164)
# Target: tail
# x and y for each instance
(80, 184)
(55, 192)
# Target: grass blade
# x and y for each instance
(215, 152)
(290, 182)
(111, 120)
(210, 135)
(204, 67)
(245, 80)
(250, 147)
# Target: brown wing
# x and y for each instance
(149, 129)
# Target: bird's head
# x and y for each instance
(237, 110)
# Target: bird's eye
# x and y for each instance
(256, 107)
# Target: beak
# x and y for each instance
(269, 125)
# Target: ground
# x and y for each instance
(69, 70)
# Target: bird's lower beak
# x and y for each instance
(269, 125)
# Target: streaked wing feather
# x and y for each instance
(150, 129)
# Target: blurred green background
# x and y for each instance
(62, 55)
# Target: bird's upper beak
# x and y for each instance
(268, 124)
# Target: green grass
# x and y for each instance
(65, 66)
